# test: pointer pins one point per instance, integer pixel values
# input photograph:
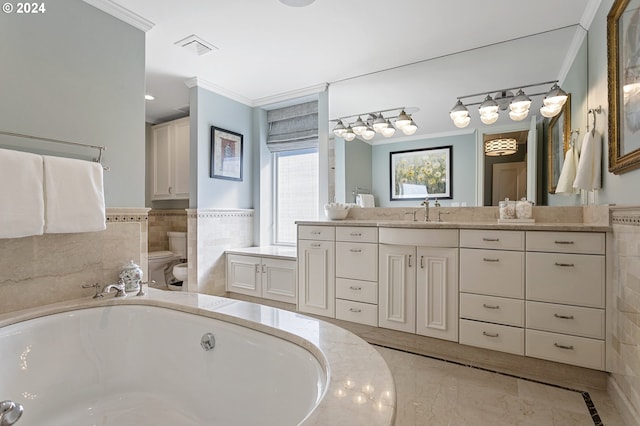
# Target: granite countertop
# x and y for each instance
(360, 387)
(277, 252)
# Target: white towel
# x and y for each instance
(568, 173)
(22, 205)
(73, 195)
(365, 200)
(589, 174)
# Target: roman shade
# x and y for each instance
(293, 127)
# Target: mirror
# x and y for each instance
(505, 175)
(558, 134)
(623, 47)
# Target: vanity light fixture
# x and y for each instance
(383, 122)
(519, 104)
(501, 146)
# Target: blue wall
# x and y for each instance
(75, 73)
(463, 164)
(210, 109)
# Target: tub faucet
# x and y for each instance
(118, 287)
(425, 203)
(10, 412)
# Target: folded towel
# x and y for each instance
(22, 206)
(568, 173)
(589, 174)
(365, 200)
(73, 196)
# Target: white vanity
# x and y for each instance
(536, 290)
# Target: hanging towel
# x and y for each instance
(568, 173)
(365, 200)
(589, 174)
(22, 205)
(73, 196)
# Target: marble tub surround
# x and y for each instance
(210, 233)
(50, 268)
(163, 221)
(360, 387)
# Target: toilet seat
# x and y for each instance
(161, 255)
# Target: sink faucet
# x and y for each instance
(118, 287)
(425, 203)
(412, 213)
(441, 212)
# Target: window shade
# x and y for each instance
(293, 127)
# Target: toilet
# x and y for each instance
(159, 260)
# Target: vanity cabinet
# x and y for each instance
(316, 270)
(418, 281)
(265, 277)
(170, 160)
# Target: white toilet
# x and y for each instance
(159, 260)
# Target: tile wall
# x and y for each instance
(163, 221)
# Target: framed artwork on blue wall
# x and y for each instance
(226, 154)
(421, 173)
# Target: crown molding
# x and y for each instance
(572, 53)
(299, 93)
(590, 13)
(195, 81)
(122, 13)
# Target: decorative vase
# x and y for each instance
(131, 275)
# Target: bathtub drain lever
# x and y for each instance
(208, 341)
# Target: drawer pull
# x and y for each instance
(356, 234)
(355, 250)
(484, 333)
(557, 345)
(316, 232)
(355, 310)
(563, 242)
(563, 316)
(484, 305)
(353, 287)
(316, 245)
(493, 240)
(565, 265)
(486, 259)
(421, 262)
(409, 261)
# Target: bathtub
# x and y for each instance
(138, 361)
(144, 365)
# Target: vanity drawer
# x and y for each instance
(498, 310)
(358, 261)
(492, 336)
(359, 291)
(573, 350)
(324, 233)
(578, 321)
(575, 279)
(419, 237)
(363, 313)
(357, 234)
(492, 272)
(566, 242)
(492, 239)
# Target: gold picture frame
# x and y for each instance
(623, 57)
(558, 136)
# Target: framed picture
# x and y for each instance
(226, 154)
(623, 54)
(421, 173)
(558, 134)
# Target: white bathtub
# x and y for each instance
(144, 365)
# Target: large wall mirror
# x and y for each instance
(623, 45)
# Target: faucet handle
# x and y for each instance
(97, 287)
(440, 213)
(436, 203)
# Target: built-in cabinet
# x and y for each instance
(265, 277)
(170, 160)
(316, 270)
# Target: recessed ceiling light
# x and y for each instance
(149, 97)
(297, 3)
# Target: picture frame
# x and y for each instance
(420, 173)
(558, 139)
(623, 48)
(226, 154)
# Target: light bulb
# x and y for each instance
(488, 107)
(410, 128)
(368, 134)
(518, 115)
(520, 103)
(458, 111)
(339, 130)
(462, 122)
(359, 126)
(489, 118)
(388, 131)
(349, 135)
(555, 96)
(550, 110)
(402, 120)
(379, 123)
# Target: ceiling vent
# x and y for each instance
(196, 45)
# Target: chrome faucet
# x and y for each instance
(10, 412)
(118, 287)
(441, 212)
(425, 203)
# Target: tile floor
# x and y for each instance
(434, 392)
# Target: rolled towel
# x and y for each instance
(21, 183)
(74, 196)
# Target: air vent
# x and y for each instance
(196, 45)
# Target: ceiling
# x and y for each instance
(267, 51)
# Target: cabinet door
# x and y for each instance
(437, 292)
(244, 274)
(180, 185)
(161, 180)
(316, 277)
(279, 279)
(397, 287)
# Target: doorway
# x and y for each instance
(505, 176)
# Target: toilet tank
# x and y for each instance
(178, 244)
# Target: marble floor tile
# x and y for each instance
(434, 392)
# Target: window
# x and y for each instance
(296, 191)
